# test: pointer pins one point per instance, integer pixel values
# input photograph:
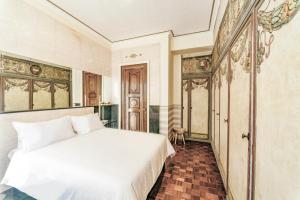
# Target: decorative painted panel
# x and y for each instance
(41, 95)
(196, 65)
(232, 16)
(16, 66)
(39, 83)
(16, 94)
(61, 95)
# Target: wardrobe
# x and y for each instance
(255, 104)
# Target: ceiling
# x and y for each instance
(118, 20)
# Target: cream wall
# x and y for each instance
(27, 31)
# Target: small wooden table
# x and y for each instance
(178, 133)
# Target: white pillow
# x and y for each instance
(39, 134)
(86, 123)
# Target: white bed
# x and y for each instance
(107, 164)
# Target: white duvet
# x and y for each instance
(107, 164)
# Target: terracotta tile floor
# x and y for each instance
(193, 175)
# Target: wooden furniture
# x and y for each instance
(134, 97)
(177, 134)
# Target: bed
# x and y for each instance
(104, 164)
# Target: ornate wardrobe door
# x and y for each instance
(277, 167)
(224, 77)
(42, 98)
(240, 59)
(217, 113)
(16, 94)
(213, 109)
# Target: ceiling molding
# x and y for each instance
(211, 20)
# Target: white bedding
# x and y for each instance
(107, 164)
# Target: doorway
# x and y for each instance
(195, 107)
(92, 85)
(134, 97)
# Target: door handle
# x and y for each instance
(225, 120)
(245, 136)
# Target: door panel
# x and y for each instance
(240, 59)
(217, 113)
(213, 110)
(199, 108)
(134, 97)
(224, 114)
(92, 89)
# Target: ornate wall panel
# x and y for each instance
(240, 58)
(278, 97)
(232, 16)
(224, 77)
(34, 81)
(61, 95)
(196, 65)
(42, 95)
(16, 94)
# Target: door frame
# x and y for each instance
(147, 63)
(209, 82)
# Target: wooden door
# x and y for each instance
(91, 89)
(239, 128)
(134, 97)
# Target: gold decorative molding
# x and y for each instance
(270, 20)
(134, 55)
(21, 67)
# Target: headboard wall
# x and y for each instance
(8, 136)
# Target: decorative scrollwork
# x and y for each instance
(195, 83)
(241, 48)
(62, 86)
(41, 86)
(196, 64)
(270, 21)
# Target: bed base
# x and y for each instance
(155, 189)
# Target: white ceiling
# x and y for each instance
(124, 19)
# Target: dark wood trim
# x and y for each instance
(229, 120)
(219, 112)
(10, 112)
(144, 121)
(1, 95)
(253, 125)
(214, 85)
(52, 89)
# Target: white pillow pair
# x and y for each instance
(32, 136)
